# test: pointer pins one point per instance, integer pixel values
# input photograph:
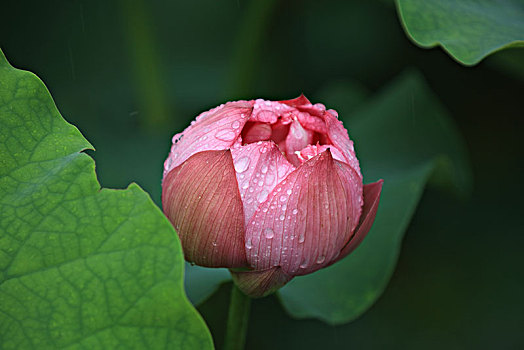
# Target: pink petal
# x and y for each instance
(297, 139)
(268, 111)
(369, 211)
(311, 151)
(201, 199)
(254, 132)
(217, 129)
(311, 122)
(259, 168)
(307, 218)
(258, 284)
(297, 102)
(280, 131)
(339, 138)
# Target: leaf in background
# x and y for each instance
(80, 266)
(468, 29)
(202, 282)
(402, 136)
(510, 62)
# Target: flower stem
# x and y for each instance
(237, 320)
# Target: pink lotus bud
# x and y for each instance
(270, 190)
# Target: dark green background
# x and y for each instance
(130, 74)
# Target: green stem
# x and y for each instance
(237, 320)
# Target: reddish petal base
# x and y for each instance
(201, 199)
(258, 284)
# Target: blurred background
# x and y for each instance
(130, 74)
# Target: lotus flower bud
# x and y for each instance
(270, 190)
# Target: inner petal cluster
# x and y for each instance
(292, 130)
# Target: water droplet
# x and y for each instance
(264, 210)
(270, 178)
(262, 196)
(263, 149)
(281, 170)
(295, 211)
(235, 124)
(249, 200)
(284, 207)
(321, 259)
(282, 217)
(283, 198)
(242, 164)
(226, 135)
(301, 238)
(263, 169)
(251, 190)
(249, 245)
(289, 191)
(214, 244)
(245, 185)
(269, 233)
(303, 264)
(260, 183)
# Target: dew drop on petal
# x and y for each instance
(226, 135)
(235, 124)
(269, 233)
(263, 169)
(321, 259)
(242, 164)
(303, 264)
(281, 170)
(283, 198)
(295, 211)
(301, 238)
(284, 207)
(282, 217)
(245, 185)
(289, 191)
(262, 196)
(270, 178)
(249, 245)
